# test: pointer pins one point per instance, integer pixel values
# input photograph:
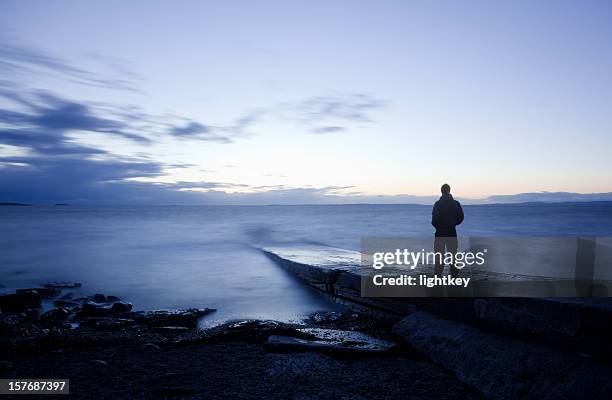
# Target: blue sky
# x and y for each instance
(302, 102)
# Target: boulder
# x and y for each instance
(253, 331)
(98, 298)
(94, 309)
(186, 318)
(11, 321)
(54, 317)
(20, 301)
(120, 307)
(91, 309)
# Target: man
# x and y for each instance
(446, 215)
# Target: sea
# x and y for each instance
(166, 257)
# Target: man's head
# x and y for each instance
(445, 189)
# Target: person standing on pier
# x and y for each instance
(445, 216)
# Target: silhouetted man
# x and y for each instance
(445, 216)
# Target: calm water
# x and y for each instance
(181, 256)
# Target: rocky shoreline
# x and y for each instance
(162, 353)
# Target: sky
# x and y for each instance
(276, 102)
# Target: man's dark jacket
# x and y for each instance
(446, 214)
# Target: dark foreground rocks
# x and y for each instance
(109, 351)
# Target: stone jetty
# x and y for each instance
(488, 332)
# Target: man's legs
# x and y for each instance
(439, 255)
(451, 246)
(441, 246)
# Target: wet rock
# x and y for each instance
(66, 304)
(20, 301)
(256, 331)
(169, 329)
(93, 309)
(330, 341)
(107, 324)
(186, 318)
(57, 316)
(112, 299)
(325, 317)
(11, 321)
(99, 298)
(150, 346)
(121, 307)
(62, 285)
(44, 292)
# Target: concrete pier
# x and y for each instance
(580, 324)
(503, 347)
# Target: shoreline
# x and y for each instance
(104, 347)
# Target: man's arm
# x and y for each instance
(459, 214)
(435, 215)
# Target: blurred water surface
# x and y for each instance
(205, 256)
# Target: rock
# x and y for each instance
(121, 307)
(169, 329)
(62, 285)
(99, 298)
(253, 331)
(107, 323)
(90, 309)
(186, 318)
(502, 368)
(100, 362)
(112, 299)
(11, 321)
(54, 317)
(93, 309)
(150, 346)
(66, 304)
(329, 340)
(45, 293)
(20, 301)
(325, 317)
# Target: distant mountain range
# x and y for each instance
(533, 197)
(548, 197)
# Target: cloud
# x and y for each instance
(46, 164)
(20, 61)
(190, 129)
(334, 114)
(46, 118)
(328, 129)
